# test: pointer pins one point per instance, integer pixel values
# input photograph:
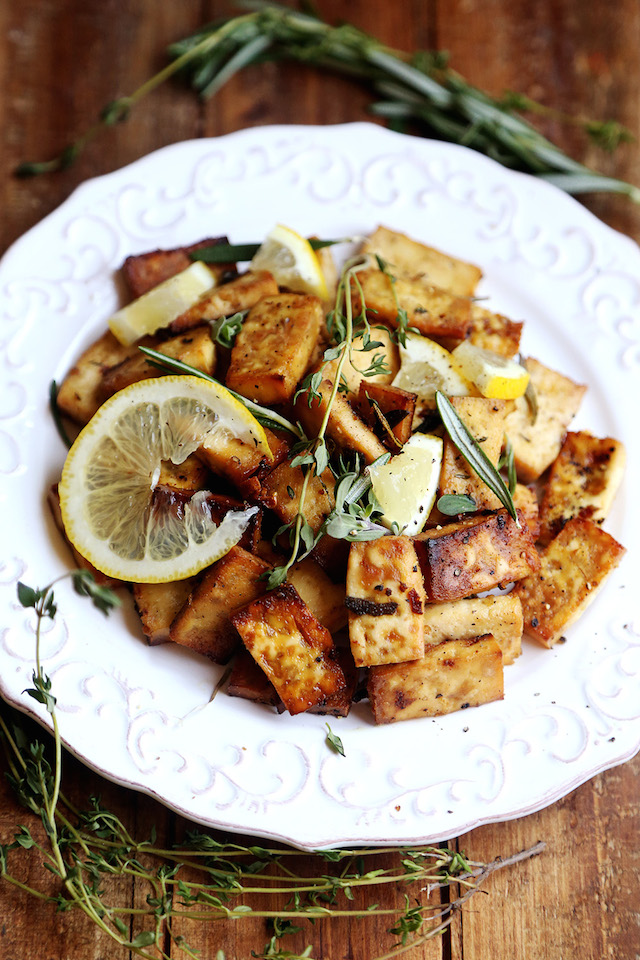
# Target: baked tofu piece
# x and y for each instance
(324, 598)
(143, 271)
(386, 356)
(158, 604)
(80, 392)
(526, 501)
(281, 490)
(344, 426)
(491, 331)
(536, 442)
(273, 347)
(239, 461)
(452, 675)
(339, 703)
(204, 623)
(232, 297)
(466, 558)
(431, 311)
(573, 567)
(411, 259)
(295, 651)
(194, 347)
(501, 616)
(186, 477)
(583, 481)
(249, 682)
(485, 421)
(389, 411)
(385, 599)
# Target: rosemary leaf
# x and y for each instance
(241, 252)
(473, 453)
(57, 416)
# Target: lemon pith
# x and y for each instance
(292, 261)
(107, 484)
(425, 367)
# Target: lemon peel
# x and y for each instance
(292, 261)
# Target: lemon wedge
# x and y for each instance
(495, 376)
(106, 491)
(406, 486)
(162, 304)
(426, 367)
(292, 261)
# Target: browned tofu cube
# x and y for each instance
(453, 675)
(282, 488)
(186, 477)
(388, 411)
(232, 297)
(431, 311)
(501, 616)
(583, 481)
(344, 426)
(324, 598)
(460, 560)
(386, 357)
(80, 392)
(194, 347)
(146, 270)
(295, 651)
(239, 461)
(485, 421)
(273, 347)
(491, 331)
(249, 682)
(385, 599)
(204, 623)
(158, 604)
(333, 556)
(573, 568)
(411, 259)
(339, 703)
(536, 441)
(526, 501)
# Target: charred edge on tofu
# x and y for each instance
(370, 608)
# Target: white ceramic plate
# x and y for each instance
(142, 715)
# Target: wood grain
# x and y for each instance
(60, 62)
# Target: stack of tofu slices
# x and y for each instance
(422, 625)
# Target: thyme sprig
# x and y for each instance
(420, 88)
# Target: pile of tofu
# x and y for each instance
(421, 625)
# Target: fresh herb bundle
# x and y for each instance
(202, 880)
(416, 88)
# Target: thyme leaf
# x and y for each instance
(334, 741)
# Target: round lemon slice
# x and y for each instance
(162, 304)
(406, 486)
(292, 261)
(106, 491)
(495, 376)
(426, 367)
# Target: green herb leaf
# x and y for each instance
(27, 596)
(103, 598)
(57, 416)
(334, 741)
(225, 330)
(473, 453)
(452, 504)
(241, 252)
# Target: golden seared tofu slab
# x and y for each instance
(143, 271)
(430, 310)
(81, 391)
(583, 482)
(462, 559)
(158, 604)
(339, 703)
(282, 488)
(194, 347)
(573, 568)
(240, 462)
(537, 435)
(273, 347)
(385, 599)
(412, 259)
(204, 622)
(501, 616)
(249, 682)
(491, 331)
(453, 675)
(239, 294)
(324, 598)
(485, 421)
(293, 649)
(344, 426)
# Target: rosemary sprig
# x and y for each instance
(241, 252)
(473, 453)
(420, 88)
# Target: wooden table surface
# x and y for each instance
(60, 62)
